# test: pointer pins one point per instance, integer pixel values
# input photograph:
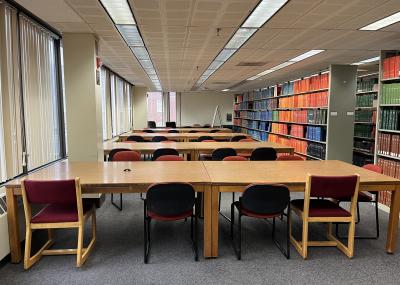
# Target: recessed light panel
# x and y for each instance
(372, 59)
(225, 54)
(263, 12)
(240, 37)
(382, 23)
(119, 11)
(131, 35)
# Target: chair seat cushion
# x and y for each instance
(321, 208)
(156, 216)
(244, 154)
(55, 213)
(249, 213)
(362, 197)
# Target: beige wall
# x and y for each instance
(139, 107)
(199, 107)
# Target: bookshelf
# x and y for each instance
(365, 119)
(306, 113)
(388, 134)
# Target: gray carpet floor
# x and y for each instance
(118, 255)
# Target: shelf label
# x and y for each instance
(350, 113)
(334, 114)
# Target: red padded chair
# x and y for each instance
(365, 198)
(126, 155)
(64, 209)
(235, 158)
(170, 202)
(289, 157)
(170, 158)
(327, 211)
(246, 154)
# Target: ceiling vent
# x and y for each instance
(254, 63)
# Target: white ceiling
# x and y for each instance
(181, 36)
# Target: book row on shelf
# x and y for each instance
(390, 93)
(389, 144)
(366, 146)
(264, 93)
(266, 104)
(312, 83)
(365, 131)
(318, 99)
(300, 131)
(311, 116)
(365, 100)
(367, 85)
(361, 160)
(391, 67)
(365, 116)
(390, 168)
(390, 118)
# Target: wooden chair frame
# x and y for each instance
(81, 252)
(302, 246)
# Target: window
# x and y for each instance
(155, 107)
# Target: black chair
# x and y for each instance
(148, 131)
(170, 124)
(204, 138)
(193, 131)
(263, 153)
(206, 126)
(170, 202)
(262, 201)
(214, 131)
(220, 153)
(135, 139)
(173, 131)
(159, 139)
(164, 151)
(151, 124)
(238, 138)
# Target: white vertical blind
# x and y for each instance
(40, 94)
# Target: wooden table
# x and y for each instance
(185, 137)
(232, 176)
(110, 177)
(194, 148)
(184, 130)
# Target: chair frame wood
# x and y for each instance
(81, 252)
(302, 246)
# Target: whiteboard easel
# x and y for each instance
(215, 115)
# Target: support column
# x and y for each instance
(83, 98)
(139, 107)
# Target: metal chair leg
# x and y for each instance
(232, 218)
(119, 207)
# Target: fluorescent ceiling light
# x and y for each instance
(140, 53)
(225, 90)
(240, 37)
(372, 59)
(263, 12)
(282, 65)
(119, 11)
(215, 64)
(131, 35)
(225, 54)
(306, 55)
(390, 20)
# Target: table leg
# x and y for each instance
(215, 218)
(391, 240)
(13, 226)
(207, 222)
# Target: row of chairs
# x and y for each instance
(152, 125)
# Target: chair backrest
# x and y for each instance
(148, 131)
(196, 125)
(170, 124)
(220, 153)
(193, 131)
(235, 158)
(151, 124)
(265, 198)
(214, 131)
(170, 199)
(159, 139)
(173, 131)
(263, 153)
(164, 151)
(126, 155)
(237, 138)
(209, 141)
(247, 140)
(114, 151)
(170, 158)
(203, 138)
(289, 157)
(62, 192)
(206, 126)
(168, 141)
(332, 186)
(135, 139)
(373, 167)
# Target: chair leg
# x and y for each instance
(239, 253)
(286, 252)
(232, 218)
(377, 217)
(80, 246)
(196, 239)
(358, 213)
(219, 201)
(28, 243)
(304, 240)
(119, 207)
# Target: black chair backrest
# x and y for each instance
(159, 139)
(164, 151)
(206, 126)
(237, 138)
(173, 131)
(221, 153)
(265, 199)
(203, 138)
(151, 124)
(170, 124)
(193, 131)
(214, 131)
(114, 151)
(263, 153)
(170, 199)
(148, 131)
(135, 139)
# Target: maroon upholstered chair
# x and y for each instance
(246, 154)
(289, 157)
(327, 211)
(365, 198)
(64, 209)
(170, 158)
(235, 158)
(169, 202)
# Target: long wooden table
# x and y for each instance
(195, 148)
(110, 177)
(184, 130)
(233, 176)
(185, 137)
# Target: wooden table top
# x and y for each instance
(286, 172)
(184, 130)
(188, 146)
(113, 174)
(184, 135)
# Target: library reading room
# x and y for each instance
(199, 142)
